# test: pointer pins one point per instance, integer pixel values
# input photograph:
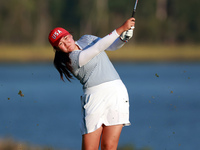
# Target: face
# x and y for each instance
(67, 44)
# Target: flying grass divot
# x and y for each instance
(20, 93)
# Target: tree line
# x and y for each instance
(157, 21)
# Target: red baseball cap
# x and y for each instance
(56, 34)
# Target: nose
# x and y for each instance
(65, 42)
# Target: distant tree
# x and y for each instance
(16, 20)
(42, 22)
(184, 21)
(102, 17)
(161, 10)
(94, 17)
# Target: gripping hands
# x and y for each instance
(127, 35)
(126, 29)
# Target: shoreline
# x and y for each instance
(128, 53)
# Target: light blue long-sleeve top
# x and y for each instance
(91, 64)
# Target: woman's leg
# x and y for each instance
(110, 137)
(91, 141)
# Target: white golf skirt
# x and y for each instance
(107, 103)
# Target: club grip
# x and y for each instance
(133, 14)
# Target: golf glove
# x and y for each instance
(127, 35)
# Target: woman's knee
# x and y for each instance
(109, 145)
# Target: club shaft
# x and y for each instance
(134, 10)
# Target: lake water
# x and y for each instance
(164, 105)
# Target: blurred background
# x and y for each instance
(158, 21)
(160, 66)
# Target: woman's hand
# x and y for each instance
(126, 26)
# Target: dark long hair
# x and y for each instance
(62, 63)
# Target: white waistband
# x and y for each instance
(103, 86)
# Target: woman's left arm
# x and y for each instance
(117, 44)
(86, 55)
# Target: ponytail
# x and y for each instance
(62, 64)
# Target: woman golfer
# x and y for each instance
(105, 102)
